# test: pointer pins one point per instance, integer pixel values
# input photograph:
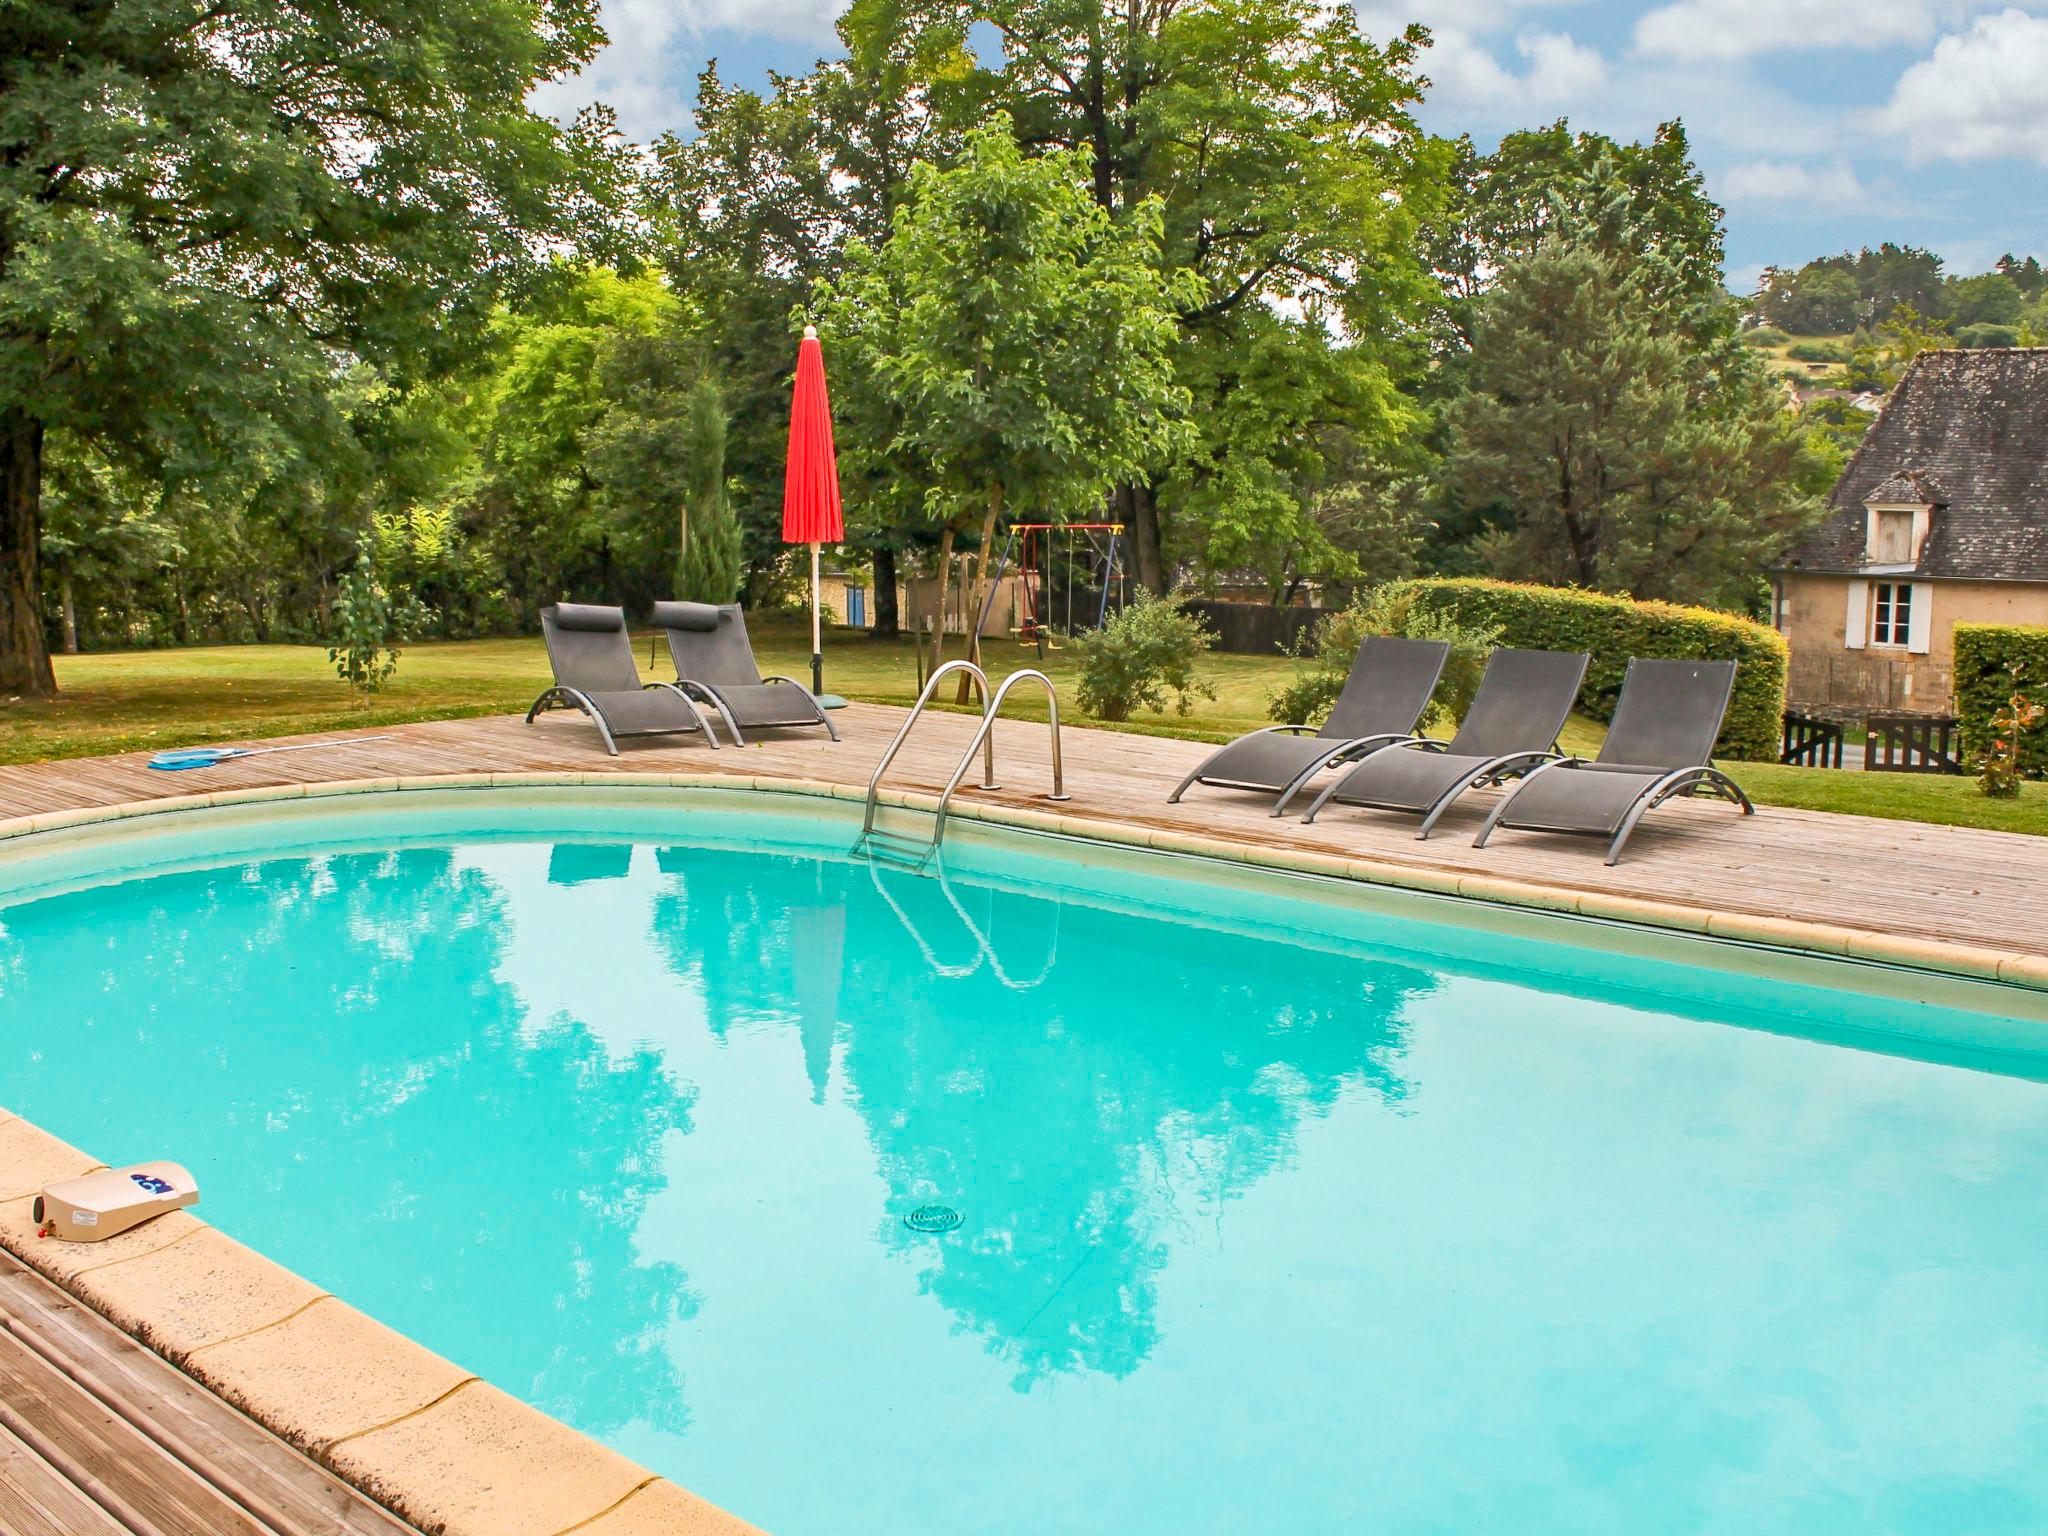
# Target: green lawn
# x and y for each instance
(150, 699)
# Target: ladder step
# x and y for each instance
(890, 848)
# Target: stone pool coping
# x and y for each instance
(1972, 961)
(453, 1454)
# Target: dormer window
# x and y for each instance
(1891, 537)
(1897, 517)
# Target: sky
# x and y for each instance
(1821, 125)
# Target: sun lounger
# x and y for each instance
(592, 657)
(715, 665)
(1385, 694)
(1660, 744)
(1522, 703)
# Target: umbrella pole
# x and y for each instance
(817, 634)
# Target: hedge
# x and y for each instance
(1984, 652)
(1613, 629)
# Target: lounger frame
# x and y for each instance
(707, 693)
(1679, 781)
(560, 695)
(1492, 770)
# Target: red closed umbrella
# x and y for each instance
(810, 485)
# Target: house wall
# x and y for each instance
(1826, 674)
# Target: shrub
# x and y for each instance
(1998, 771)
(1818, 352)
(1988, 658)
(1987, 334)
(1387, 610)
(1613, 629)
(1764, 336)
(369, 620)
(1145, 656)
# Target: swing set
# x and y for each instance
(1046, 578)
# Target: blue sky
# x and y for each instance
(1821, 124)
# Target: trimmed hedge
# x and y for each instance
(1613, 629)
(1983, 653)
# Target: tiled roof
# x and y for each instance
(1907, 488)
(1966, 430)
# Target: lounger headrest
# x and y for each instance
(702, 617)
(592, 616)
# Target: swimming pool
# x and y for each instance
(1278, 1208)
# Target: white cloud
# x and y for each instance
(1982, 94)
(644, 72)
(1734, 29)
(1783, 181)
(1558, 72)
(804, 21)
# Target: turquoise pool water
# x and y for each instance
(1274, 1216)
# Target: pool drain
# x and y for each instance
(932, 1218)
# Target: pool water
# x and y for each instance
(1272, 1216)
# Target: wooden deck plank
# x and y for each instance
(1899, 878)
(103, 1457)
(129, 1433)
(38, 1500)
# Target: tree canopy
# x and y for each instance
(272, 278)
(207, 213)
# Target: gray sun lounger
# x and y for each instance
(592, 657)
(1386, 692)
(1660, 744)
(1522, 703)
(715, 665)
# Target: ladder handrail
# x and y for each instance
(988, 770)
(985, 738)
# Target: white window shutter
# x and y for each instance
(1920, 619)
(1856, 631)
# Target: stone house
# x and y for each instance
(1941, 516)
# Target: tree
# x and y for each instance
(1631, 458)
(1294, 181)
(1991, 298)
(205, 210)
(1024, 337)
(708, 571)
(755, 209)
(1639, 202)
(577, 413)
(1824, 301)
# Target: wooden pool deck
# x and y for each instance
(1908, 881)
(99, 1437)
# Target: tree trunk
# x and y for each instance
(24, 653)
(945, 587)
(978, 583)
(888, 622)
(1139, 513)
(68, 608)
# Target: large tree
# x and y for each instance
(1630, 455)
(757, 206)
(209, 212)
(1024, 338)
(1636, 202)
(1294, 180)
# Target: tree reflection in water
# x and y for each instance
(359, 1034)
(1077, 1123)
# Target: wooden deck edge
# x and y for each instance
(432, 1443)
(1974, 962)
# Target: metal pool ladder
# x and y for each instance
(910, 852)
